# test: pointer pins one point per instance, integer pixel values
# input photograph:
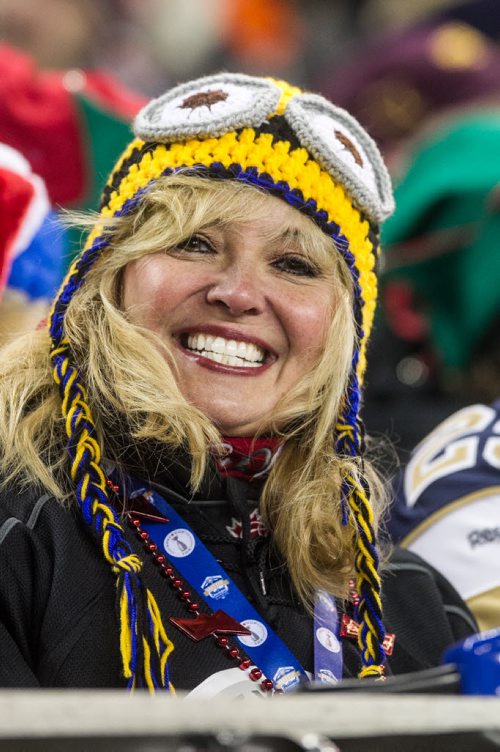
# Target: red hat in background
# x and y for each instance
(23, 207)
(70, 125)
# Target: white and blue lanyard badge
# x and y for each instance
(202, 571)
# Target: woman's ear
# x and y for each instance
(117, 288)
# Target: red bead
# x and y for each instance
(234, 652)
(193, 607)
(176, 583)
(159, 558)
(222, 642)
(255, 674)
(152, 547)
(168, 571)
(135, 523)
(266, 685)
(246, 663)
(144, 535)
(184, 595)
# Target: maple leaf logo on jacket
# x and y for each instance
(257, 527)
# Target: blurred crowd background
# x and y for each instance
(423, 77)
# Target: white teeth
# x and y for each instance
(219, 345)
(228, 352)
(228, 360)
(252, 353)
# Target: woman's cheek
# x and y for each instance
(310, 318)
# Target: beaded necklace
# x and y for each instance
(192, 606)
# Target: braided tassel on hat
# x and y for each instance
(355, 498)
(144, 644)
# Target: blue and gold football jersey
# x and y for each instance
(447, 506)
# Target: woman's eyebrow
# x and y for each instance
(292, 236)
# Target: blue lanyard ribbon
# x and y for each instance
(327, 646)
(201, 569)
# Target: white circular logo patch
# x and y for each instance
(258, 633)
(328, 639)
(179, 543)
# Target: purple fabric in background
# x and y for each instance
(401, 79)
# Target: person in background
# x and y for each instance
(442, 245)
(63, 34)
(407, 91)
(402, 82)
(69, 126)
(186, 501)
(33, 245)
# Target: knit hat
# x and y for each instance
(316, 157)
(443, 239)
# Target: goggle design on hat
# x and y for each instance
(214, 105)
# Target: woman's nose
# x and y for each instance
(238, 290)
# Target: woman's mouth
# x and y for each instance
(229, 352)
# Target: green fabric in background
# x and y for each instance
(446, 193)
(106, 136)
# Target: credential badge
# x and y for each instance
(179, 543)
(216, 587)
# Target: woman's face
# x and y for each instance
(243, 310)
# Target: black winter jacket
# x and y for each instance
(58, 626)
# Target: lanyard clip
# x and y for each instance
(262, 581)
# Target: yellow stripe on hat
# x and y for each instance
(288, 91)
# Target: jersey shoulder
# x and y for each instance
(447, 506)
(457, 463)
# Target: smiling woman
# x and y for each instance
(243, 299)
(182, 452)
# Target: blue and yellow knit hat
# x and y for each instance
(316, 157)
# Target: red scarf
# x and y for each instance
(248, 458)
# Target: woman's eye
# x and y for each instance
(297, 265)
(195, 244)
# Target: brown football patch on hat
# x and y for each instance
(204, 99)
(347, 143)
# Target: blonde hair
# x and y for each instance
(119, 365)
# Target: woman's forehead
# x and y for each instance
(270, 216)
(223, 199)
